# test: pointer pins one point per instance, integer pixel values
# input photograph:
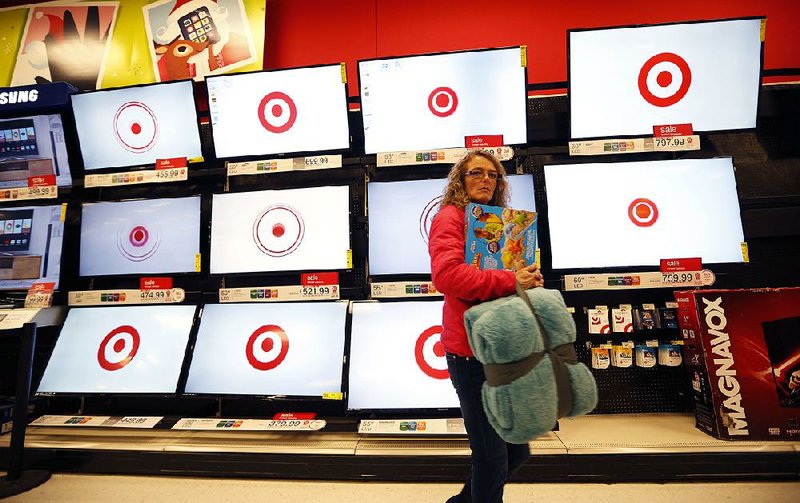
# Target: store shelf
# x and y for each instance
(593, 448)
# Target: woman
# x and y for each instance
(479, 178)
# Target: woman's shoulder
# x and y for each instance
(450, 211)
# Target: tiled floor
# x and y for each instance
(125, 489)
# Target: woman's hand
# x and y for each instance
(530, 277)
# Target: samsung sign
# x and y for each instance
(24, 96)
(35, 98)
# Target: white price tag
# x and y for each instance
(452, 426)
(250, 424)
(403, 289)
(15, 318)
(638, 280)
(117, 297)
(445, 155)
(39, 299)
(634, 145)
(279, 293)
(23, 193)
(71, 421)
(281, 165)
(136, 177)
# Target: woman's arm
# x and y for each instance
(451, 275)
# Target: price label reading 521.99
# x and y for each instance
(317, 291)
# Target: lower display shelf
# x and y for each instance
(635, 447)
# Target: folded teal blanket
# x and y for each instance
(504, 331)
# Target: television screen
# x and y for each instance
(135, 126)
(280, 230)
(396, 358)
(400, 215)
(436, 100)
(292, 349)
(33, 146)
(624, 81)
(132, 349)
(298, 110)
(637, 213)
(149, 236)
(30, 246)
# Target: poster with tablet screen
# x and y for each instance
(280, 230)
(290, 349)
(637, 213)
(400, 215)
(33, 146)
(136, 349)
(436, 100)
(149, 236)
(396, 358)
(135, 126)
(624, 81)
(297, 110)
(30, 246)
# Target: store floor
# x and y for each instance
(125, 489)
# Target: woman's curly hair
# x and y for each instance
(456, 194)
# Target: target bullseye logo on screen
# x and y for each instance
(277, 112)
(267, 347)
(664, 79)
(118, 348)
(135, 127)
(278, 230)
(643, 212)
(138, 241)
(442, 101)
(426, 217)
(429, 353)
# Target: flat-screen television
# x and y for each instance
(625, 80)
(396, 358)
(281, 111)
(280, 230)
(292, 349)
(118, 350)
(30, 246)
(136, 126)
(436, 100)
(33, 146)
(400, 215)
(637, 213)
(148, 236)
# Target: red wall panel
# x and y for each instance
(306, 32)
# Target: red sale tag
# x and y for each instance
(41, 181)
(319, 278)
(673, 130)
(173, 162)
(486, 140)
(681, 264)
(42, 287)
(289, 416)
(162, 283)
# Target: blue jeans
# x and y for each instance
(493, 460)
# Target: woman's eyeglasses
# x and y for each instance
(479, 174)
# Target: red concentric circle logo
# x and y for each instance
(278, 230)
(118, 348)
(267, 347)
(442, 101)
(429, 353)
(643, 212)
(277, 112)
(664, 79)
(135, 127)
(426, 217)
(138, 242)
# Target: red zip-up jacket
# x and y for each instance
(463, 285)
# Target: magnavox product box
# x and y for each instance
(742, 350)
